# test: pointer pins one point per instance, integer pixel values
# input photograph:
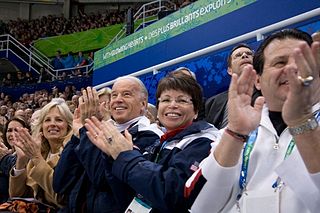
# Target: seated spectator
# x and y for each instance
(188, 72)
(57, 61)
(20, 113)
(90, 58)
(19, 78)
(216, 111)
(7, 80)
(81, 60)
(267, 159)
(68, 61)
(44, 76)
(3, 112)
(152, 113)
(10, 113)
(75, 100)
(84, 173)
(8, 155)
(158, 177)
(104, 102)
(37, 155)
(28, 78)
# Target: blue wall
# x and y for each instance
(210, 69)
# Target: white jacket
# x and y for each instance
(301, 193)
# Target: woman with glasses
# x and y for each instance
(159, 175)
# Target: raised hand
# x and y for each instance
(298, 106)
(77, 123)
(89, 104)
(107, 137)
(30, 147)
(104, 109)
(242, 117)
(4, 150)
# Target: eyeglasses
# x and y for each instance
(239, 54)
(181, 101)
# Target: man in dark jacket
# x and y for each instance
(81, 173)
(216, 107)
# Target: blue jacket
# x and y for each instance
(83, 174)
(159, 176)
(6, 163)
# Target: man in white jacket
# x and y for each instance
(267, 159)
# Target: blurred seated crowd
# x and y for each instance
(29, 103)
(27, 31)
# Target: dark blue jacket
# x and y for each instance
(162, 184)
(83, 174)
(6, 163)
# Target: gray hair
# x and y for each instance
(143, 88)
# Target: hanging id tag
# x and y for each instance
(262, 202)
(138, 206)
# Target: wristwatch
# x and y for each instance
(309, 125)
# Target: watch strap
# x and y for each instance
(309, 125)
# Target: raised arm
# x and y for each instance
(297, 109)
(243, 118)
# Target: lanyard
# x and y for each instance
(161, 148)
(246, 156)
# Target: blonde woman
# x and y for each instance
(104, 100)
(37, 155)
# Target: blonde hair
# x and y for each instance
(104, 91)
(65, 112)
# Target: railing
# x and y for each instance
(258, 34)
(19, 50)
(40, 55)
(142, 13)
(34, 59)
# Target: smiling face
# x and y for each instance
(239, 58)
(54, 126)
(12, 126)
(127, 101)
(273, 81)
(175, 109)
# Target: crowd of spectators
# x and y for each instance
(18, 78)
(27, 31)
(29, 103)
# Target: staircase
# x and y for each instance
(31, 60)
(146, 15)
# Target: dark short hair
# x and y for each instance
(229, 60)
(184, 83)
(18, 119)
(259, 58)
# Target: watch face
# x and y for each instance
(313, 123)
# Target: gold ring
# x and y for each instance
(306, 81)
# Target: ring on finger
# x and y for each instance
(305, 81)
